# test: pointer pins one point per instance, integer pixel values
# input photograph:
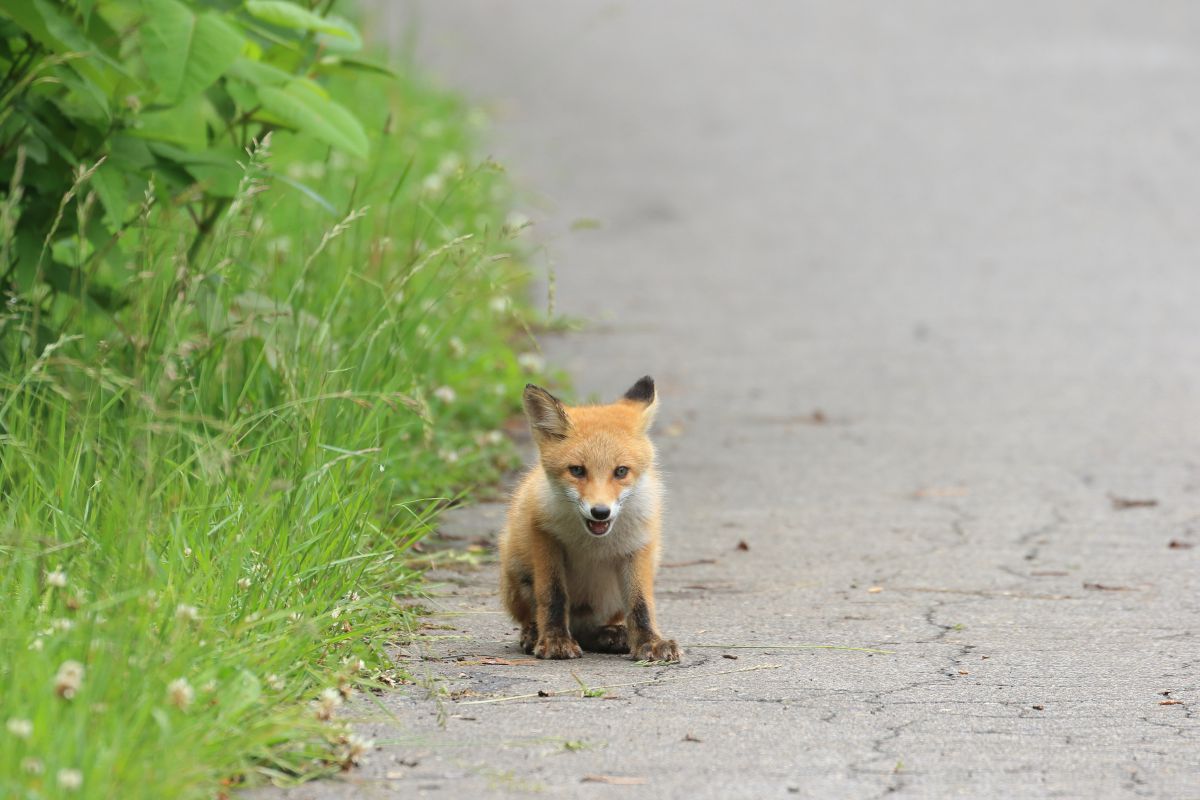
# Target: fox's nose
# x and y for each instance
(600, 512)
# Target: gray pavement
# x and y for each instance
(919, 285)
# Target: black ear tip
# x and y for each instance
(642, 391)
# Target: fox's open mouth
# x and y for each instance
(597, 528)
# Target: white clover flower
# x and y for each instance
(244, 583)
(275, 682)
(433, 183)
(187, 613)
(353, 749)
(70, 779)
(180, 694)
(32, 766)
(531, 362)
(500, 304)
(187, 551)
(449, 456)
(36, 645)
(337, 612)
(58, 578)
(62, 624)
(21, 728)
(68, 679)
(327, 703)
(445, 394)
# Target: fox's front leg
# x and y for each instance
(552, 605)
(645, 642)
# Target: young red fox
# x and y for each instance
(580, 548)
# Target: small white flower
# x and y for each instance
(62, 624)
(433, 183)
(21, 728)
(337, 612)
(353, 749)
(209, 687)
(500, 304)
(57, 578)
(187, 613)
(180, 693)
(36, 645)
(275, 682)
(244, 583)
(32, 766)
(445, 394)
(187, 551)
(70, 779)
(68, 679)
(327, 703)
(457, 348)
(531, 362)
(493, 437)
(449, 456)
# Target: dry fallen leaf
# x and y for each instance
(615, 780)
(1125, 503)
(1176, 544)
(742, 545)
(693, 563)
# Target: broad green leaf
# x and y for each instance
(185, 51)
(182, 125)
(290, 15)
(356, 64)
(348, 42)
(258, 73)
(302, 105)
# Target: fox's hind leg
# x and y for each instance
(517, 590)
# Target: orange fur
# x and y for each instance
(580, 546)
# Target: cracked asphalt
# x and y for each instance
(919, 286)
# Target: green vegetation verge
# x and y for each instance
(257, 326)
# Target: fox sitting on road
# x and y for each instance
(581, 544)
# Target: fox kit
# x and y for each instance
(580, 547)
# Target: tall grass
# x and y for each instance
(208, 496)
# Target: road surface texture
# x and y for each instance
(919, 285)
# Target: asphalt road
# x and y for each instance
(919, 285)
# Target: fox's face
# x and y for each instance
(594, 456)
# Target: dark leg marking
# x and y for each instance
(556, 621)
(639, 617)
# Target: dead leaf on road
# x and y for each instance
(742, 545)
(1126, 503)
(615, 780)
(1176, 544)
(693, 563)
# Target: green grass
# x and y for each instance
(207, 497)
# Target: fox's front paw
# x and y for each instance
(557, 646)
(657, 650)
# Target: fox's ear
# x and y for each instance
(547, 417)
(642, 393)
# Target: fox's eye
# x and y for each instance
(621, 472)
(577, 471)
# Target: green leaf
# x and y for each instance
(185, 51)
(290, 15)
(258, 73)
(302, 105)
(354, 64)
(182, 125)
(348, 42)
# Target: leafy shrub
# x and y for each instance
(168, 94)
